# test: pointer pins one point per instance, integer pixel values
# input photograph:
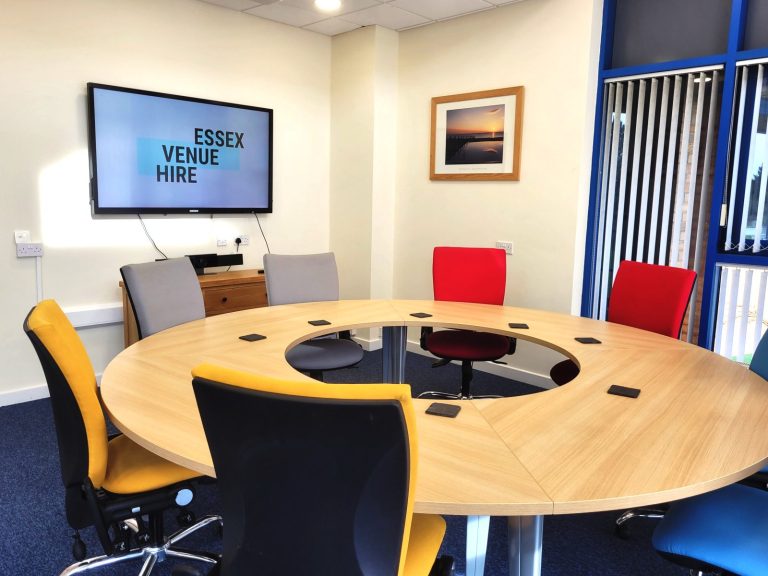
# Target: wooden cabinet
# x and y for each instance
(223, 292)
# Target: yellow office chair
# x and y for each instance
(113, 484)
(316, 478)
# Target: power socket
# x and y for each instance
(29, 249)
(507, 245)
(244, 240)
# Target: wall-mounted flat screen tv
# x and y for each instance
(153, 153)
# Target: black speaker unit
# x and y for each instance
(202, 261)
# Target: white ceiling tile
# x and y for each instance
(442, 9)
(286, 14)
(332, 26)
(238, 5)
(387, 16)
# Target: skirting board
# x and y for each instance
(502, 370)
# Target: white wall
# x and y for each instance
(48, 52)
(546, 46)
(351, 148)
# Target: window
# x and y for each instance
(680, 173)
(657, 145)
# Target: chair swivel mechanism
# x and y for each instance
(316, 478)
(114, 485)
(477, 275)
(292, 279)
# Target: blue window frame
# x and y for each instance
(741, 28)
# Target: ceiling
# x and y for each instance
(392, 14)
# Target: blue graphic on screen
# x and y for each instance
(155, 152)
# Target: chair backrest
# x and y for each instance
(314, 478)
(163, 294)
(80, 424)
(476, 275)
(295, 278)
(651, 297)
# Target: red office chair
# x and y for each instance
(476, 275)
(645, 296)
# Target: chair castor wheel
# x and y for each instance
(186, 518)
(622, 531)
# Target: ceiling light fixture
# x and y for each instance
(328, 5)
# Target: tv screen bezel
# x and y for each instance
(93, 160)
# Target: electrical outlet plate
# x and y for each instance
(243, 239)
(221, 242)
(22, 236)
(29, 250)
(507, 245)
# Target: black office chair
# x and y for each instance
(316, 478)
(112, 484)
(163, 294)
(292, 279)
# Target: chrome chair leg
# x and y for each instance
(151, 554)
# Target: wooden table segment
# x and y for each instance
(698, 423)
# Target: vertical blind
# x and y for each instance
(741, 311)
(657, 143)
(747, 218)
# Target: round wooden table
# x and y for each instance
(697, 425)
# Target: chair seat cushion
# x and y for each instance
(324, 354)
(727, 528)
(467, 345)
(427, 531)
(133, 469)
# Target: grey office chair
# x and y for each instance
(292, 279)
(163, 294)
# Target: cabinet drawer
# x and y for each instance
(233, 298)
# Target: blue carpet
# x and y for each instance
(36, 541)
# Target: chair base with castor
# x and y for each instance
(468, 347)
(152, 552)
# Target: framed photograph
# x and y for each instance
(477, 136)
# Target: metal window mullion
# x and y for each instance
(742, 335)
(705, 200)
(721, 306)
(623, 179)
(759, 316)
(694, 170)
(731, 312)
(682, 166)
(607, 275)
(736, 157)
(598, 297)
(670, 171)
(661, 145)
(751, 161)
(638, 143)
(646, 170)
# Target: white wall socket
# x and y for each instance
(221, 242)
(507, 245)
(29, 250)
(243, 239)
(22, 236)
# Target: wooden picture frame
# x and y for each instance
(477, 135)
